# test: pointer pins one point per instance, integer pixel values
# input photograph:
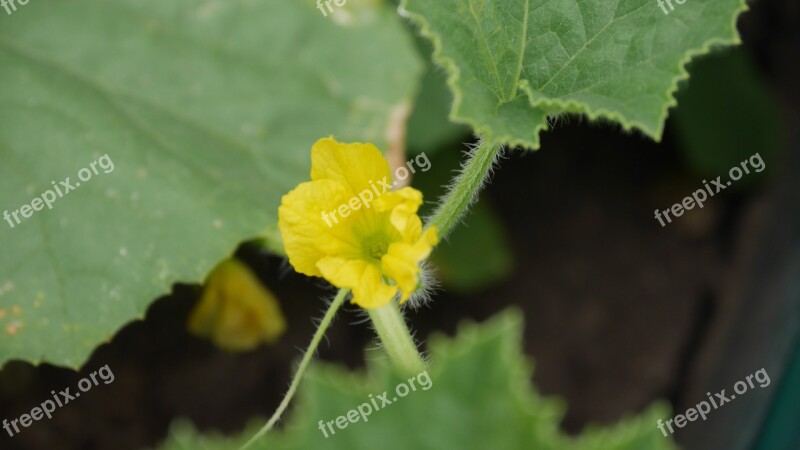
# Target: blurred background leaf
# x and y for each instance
(726, 115)
(477, 254)
(492, 408)
(429, 126)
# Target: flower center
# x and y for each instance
(377, 249)
(375, 245)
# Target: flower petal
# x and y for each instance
(401, 262)
(235, 310)
(403, 204)
(363, 278)
(358, 167)
(308, 230)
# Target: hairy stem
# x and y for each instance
(389, 323)
(464, 190)
(396, 339)
(298, 376)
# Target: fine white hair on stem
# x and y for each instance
(477, 169)
(379, 344)
(422, 353)
(427, 286)
(361, 317)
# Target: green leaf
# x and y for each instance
(429, 126)
(726, 116)
(479, 397)
(513, 62)
(208, 111)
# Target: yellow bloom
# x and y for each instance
(235, 310)
(346, 226)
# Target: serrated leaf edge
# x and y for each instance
(571, 106)
(453, 74)
(628, 125)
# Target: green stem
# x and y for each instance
(465, 188)
(392, 329)
(298, 376)
(396, 338)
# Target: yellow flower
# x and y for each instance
(346, 226)
(235, 310)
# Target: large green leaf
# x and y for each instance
(513, 62)
(479, 397)
(207, 110)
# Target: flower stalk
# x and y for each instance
(463, 192)
(396, 339)
(466, 186)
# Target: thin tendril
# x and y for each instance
(298, 376)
